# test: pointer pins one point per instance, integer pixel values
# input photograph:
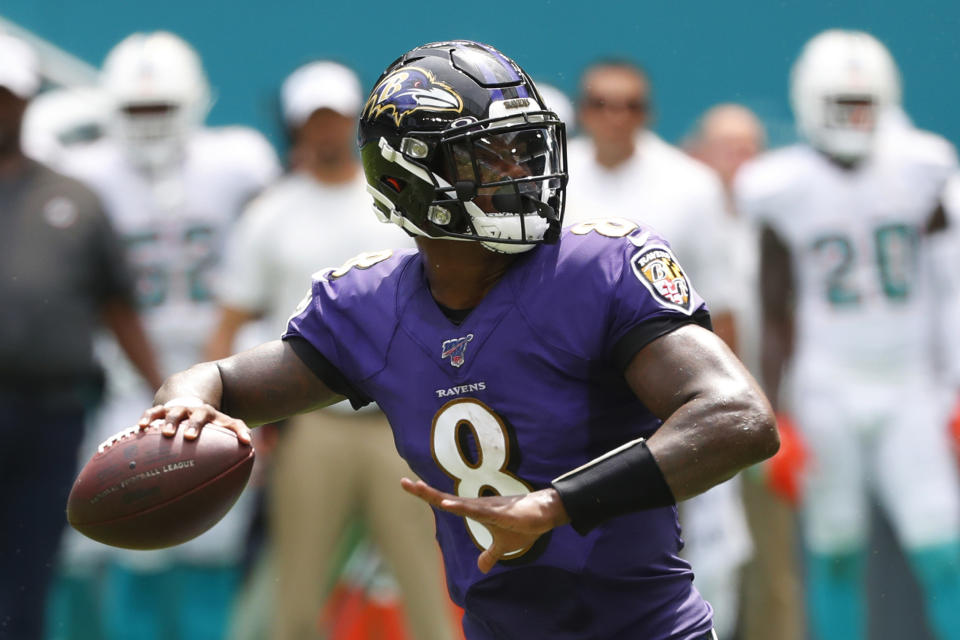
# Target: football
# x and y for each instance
(142, 490)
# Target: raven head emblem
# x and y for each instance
(410, 89)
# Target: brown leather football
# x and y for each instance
(142, 490)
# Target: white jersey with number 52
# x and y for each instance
(175, 225)
(864, 294)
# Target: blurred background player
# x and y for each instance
(727, 136)
(848, 301)
(63, 275)
(173, 189)
(335, 464)
(619, 168)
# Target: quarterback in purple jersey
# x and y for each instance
(555, 395)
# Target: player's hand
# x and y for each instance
(193, 415)
(514, 521)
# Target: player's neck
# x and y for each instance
(460, 274)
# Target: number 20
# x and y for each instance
(488, 473)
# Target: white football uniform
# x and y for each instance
(175, 226)
(949, 257)
(683, 200)
(862, 385)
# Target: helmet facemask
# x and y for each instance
(849, 123)
(500, 181)
(154, 135)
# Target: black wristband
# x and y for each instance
(622, 481)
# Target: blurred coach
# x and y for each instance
(62, 274)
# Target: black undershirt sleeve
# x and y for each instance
(325, 370)
(646, 332)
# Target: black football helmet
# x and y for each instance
(457, 143)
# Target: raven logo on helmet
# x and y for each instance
(410, 89)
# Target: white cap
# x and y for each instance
(18, 67)
(319, 85)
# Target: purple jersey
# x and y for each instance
(527, 387)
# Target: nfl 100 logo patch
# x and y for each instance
(455, 349)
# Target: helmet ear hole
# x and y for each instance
(394, 184)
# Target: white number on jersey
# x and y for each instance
(894, 249)
(362, 261)
(454, 425)
(162, 270)
(609, 227)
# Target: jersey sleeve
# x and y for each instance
(760, 185)
(344, 325)
(311, 333)
(614, 288)
(652, 297)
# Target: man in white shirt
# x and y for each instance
(620, 169)
(335, 463)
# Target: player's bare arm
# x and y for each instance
(776, 301)
(716, 420)
(255, 387)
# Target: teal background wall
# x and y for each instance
(697, 52)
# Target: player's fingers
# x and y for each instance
(239, 427)
(490, 556)
(171, 422)
(150, 415)
(198, 419)
(478, 509)
(424, 491)
(173, 419)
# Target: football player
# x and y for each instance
(848, 220)
(173, 188)
(556, 393)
